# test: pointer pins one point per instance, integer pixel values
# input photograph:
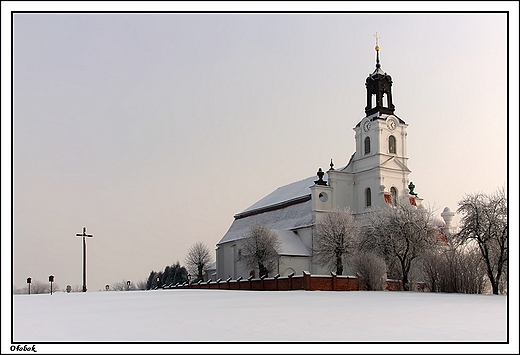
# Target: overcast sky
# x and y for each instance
(153, 130)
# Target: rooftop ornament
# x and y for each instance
(320, 180)
(411, 186)
(378, 65)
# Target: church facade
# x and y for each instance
(376, 174)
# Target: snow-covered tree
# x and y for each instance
(372, 268)
(484, 222)
(456, 269)
(123, 285)
(199, 258)
(401, 234)
(337, 236)
(260, 249)
(38, 287)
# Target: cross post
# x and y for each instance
(84, 235)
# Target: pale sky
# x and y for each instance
(153, 130)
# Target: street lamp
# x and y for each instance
(51, 280)
(84, 234)
(29, 282)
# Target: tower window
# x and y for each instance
(368, 197)
(367, 145)
(393, 195)
(392, 145)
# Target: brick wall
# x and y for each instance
(285, 283)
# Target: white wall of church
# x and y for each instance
(296, 264)
(305, 235)
(226, 261)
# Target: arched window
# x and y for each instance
(368, 197)
(392, 145)
(367, 145)
(393, 195)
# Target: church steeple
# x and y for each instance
(379, 89)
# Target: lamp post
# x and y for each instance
(51, 280)
(29, 282)
(84, 234)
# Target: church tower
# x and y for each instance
(379, 167)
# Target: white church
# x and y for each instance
(376, 174)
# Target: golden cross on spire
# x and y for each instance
(377, 41)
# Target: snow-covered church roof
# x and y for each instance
(284, 195)
(282, 219)
(284, 210)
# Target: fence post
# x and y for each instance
(290, 276)
(250, 282)
(227, 281)
(262, 278)
(276, 281)
(218, 283)
(306, 280)
(334, 276)
(238, 280)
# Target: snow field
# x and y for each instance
(255, 316)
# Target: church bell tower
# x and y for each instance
(379, 89)
(379, 167)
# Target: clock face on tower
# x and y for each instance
(366, 125)
(391, 123)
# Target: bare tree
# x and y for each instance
(124, 285)
(260, 249)
(36, 288)
(456, 269)
(20, 291)
(372, 268)
(141, 285)
(199, 258)
(484, 221)
(401, 234)
(337, 235)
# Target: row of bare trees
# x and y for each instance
(405, 242)
(36, 287)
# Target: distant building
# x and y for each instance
(376, 174)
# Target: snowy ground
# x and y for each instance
(252, 316)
